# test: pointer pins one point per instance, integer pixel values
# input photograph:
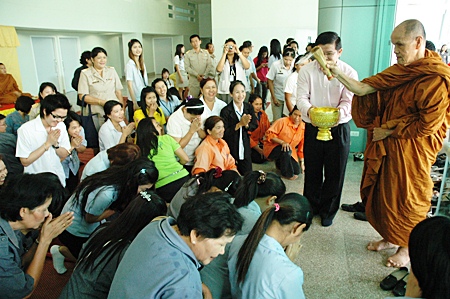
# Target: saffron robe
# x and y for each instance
(396, 186)
(8, 89)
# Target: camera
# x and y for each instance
(230, 47)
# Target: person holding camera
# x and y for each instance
(231, 67)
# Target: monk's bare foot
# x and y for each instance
(380, 245)
(399, 259)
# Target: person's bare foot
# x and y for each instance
(380, 245)
(399, 259)
(293, 178)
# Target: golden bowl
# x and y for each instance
(324, 118)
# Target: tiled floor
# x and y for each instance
(335, 261)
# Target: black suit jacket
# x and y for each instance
(231, 136)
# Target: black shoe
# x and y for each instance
(327, 222)
(360, 216)
(356, 207)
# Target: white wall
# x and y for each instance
(146, 16)
(434, 18)
(204, 20)
(105, 23)
(87, 42)
(242, 20)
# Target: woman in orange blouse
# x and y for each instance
(257, 136)
(213, 151)
(282, 139)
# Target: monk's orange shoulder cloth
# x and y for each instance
(365, 109)
(7, 84)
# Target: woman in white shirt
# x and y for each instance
(290, 86)
(135, 71)
(231, 67)
(114, 130)
(275, 52)
(213, 105)
(182, 78)
(276, 77)
(185, 126)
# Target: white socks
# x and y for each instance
(58, 259)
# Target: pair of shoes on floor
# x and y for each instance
(356, 207)
(396, 281)
(360, 216)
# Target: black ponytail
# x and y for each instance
(258, 184)
(292, 207)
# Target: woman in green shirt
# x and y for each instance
(167, 155)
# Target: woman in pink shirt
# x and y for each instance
(261, 63)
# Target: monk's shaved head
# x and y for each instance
(413, 28)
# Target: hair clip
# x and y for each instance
(145, 195)
(228, 187)
(277, 207)
(143, 170)
(218, 173)
(262, 177)
(189, 97)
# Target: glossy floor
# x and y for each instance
(334, 260)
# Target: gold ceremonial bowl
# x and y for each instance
(324, 118)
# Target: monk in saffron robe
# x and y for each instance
(405, 110)
(9, 91)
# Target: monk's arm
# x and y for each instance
(357, 87)
(432, 102)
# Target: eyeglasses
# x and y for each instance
(62, 118)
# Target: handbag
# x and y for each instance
(81, 102)
(89, 127)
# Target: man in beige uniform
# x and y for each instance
(210, 48)
(198, 64)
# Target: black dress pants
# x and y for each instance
(244, 166)
(288, 166)
(325, 163)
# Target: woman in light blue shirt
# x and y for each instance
(256, 192)
(258, 264)
(96, 199)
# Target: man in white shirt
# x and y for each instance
(43, 142)
(256, 87)
(325, 161)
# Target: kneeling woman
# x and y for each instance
(259, 266)
(213, 152)
(175, 250)
(97, 198)
(257, 136)
(282, 139)
(114, 130)
(239, 119)
(105, 248)
(24, 207)
(185, 126)
(163, 150)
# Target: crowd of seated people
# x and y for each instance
(190, 155)
(170, 188)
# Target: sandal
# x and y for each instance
(400, 287)
(391, 281)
